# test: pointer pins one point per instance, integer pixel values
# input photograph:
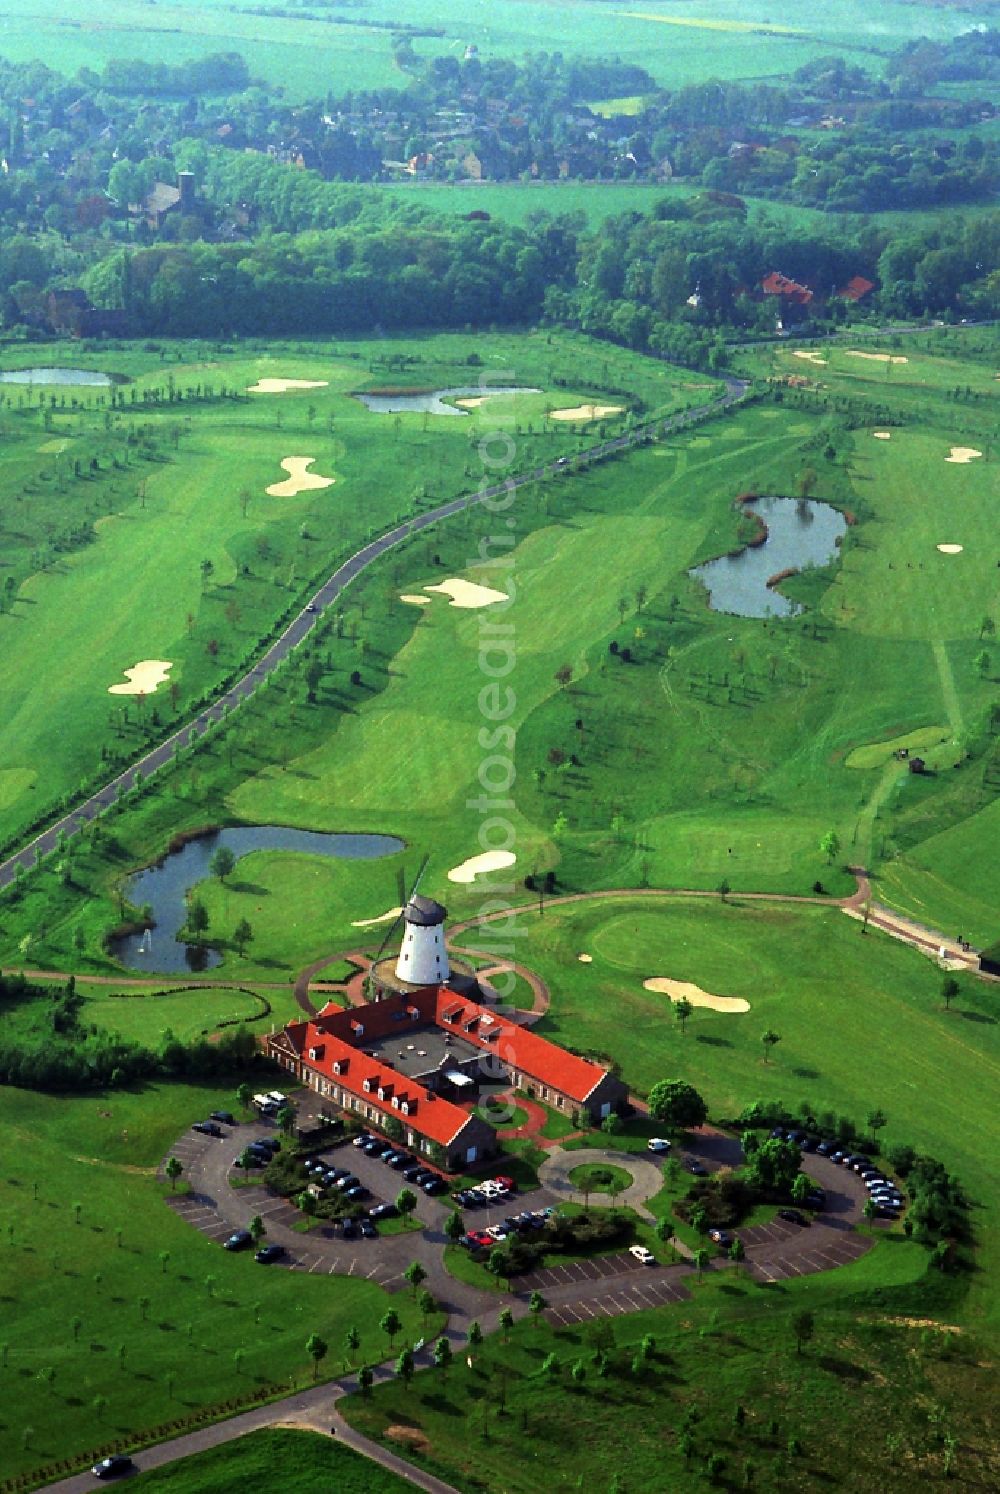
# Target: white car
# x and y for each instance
(643, 1256)
(657, 1144)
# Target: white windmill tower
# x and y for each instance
(423, 958)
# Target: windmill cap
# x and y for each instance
(424, 912)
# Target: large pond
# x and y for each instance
(164, 887)
(800, 533)
(84, 376)
(432, 401)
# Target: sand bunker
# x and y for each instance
(882, 435)
(877, 357)
(367, 923)
(586, 959)
(282, 386)
(809, 356)
(414, 600)
(961, 454)
(586, 412)
(143, 677)
(472, 402)
(477, 866)
(950, 549)
(675, 989)
(298, 480)
(468, 593)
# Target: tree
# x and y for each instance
(830, 845)
(579, 1372)
(803, 1326)
(242, 936)
(454, 1227)
(366, 1377)
(197, 918)
(257, 1228)
(406, 1201)
(807, 482)
(506, 1323)
(700, 1259)
(536, 1306)
(800, 1188)
(317, 1349)
(222, 863)
(393, 1128)
(352, 1342)
(475, 1335)
(497, 1261)
(442, 1356)
(415, 1275)
(307, 1203)
(875, 1121)
(286, 1118)
(987, 628)
(390, 1324)
(428, 1305)
(677, 1104)
(173, 1169)
(405, 1367)
(564, 675)
(769, 1040)
(983, 662)
(737, 1253)
(869, 1212)
(683, 1010)
(612, 1124)
(244, 1095)
(724, 889)
(949, 990)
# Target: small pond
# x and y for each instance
(164, 887)
(800, 533)
(431, 401)
(79, 376)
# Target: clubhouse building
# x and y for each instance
(423, 1053)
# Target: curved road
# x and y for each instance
(305, 621)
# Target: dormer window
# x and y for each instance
(395, 1102)
(315, 1054)
(340, 1065)
(367, 1086)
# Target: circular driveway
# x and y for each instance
(647, 1177)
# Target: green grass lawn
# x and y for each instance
(593, 1177)
(320, 1465)
(200, 1328)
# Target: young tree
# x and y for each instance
(366, 1378)
(506, 1323)
(442, 1356)
(737, 1253)
(949, 990)
(677, 1104)
(406, 1201)
(700, 1259)
(286, 1118)
(244, 1095)
(427, 1305)
(724, 889)
(474, 1337)
(173, 1169)
(564, 675)
(415, 1275)
(983, 662)
(769, 1040)
(257, 1229)
(800, 1188)
(869, 1212)
(317, 1349)
(222, 863)
(612, 1124)
(405, 1367)
(390, 1324)
(876, 1120)
(454, 1227)
(683, 1010)
(803, 1326)
(242, 936)
(352, 1342)
(830, 845)
(536, 1306)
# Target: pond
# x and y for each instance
(79, 376)
(800, 533)
(164, 887)
(431, 401)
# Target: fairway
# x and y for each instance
(320, 1466)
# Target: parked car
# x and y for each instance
(778, 1133)
(398, 1160)
(720, 1237)
(349, 1229)
(435, 1185)
(358, 1191)
(810, 1144)
(505, 1182)
(367, 1229)
(207, 1128)
(793, 1216)
(383, 1211)
(826, 1148)
(113, 1466)
(223, 1116)
(816, 1201)
(643, 1256)
(657, 1144)
(695, 1168)
(373, 1146)
(411, 1173)
(269, 1253)
(361, 1138)
(269, 1143)
(386, 1153)
(839, 1157)
(240, 1239)
(346, 1180)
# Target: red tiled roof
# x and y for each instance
(522, 1049)
(856, 288)
(776, 284)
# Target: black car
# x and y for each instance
(386, 1153)
(269, 1253)
(792, 1216)
(778, 1134)
(424, 1175)
(207, 1128)
(411, 1174)
(223, 1116)
(241, 1239)
(810, 1144)
(695, 1168)
(358, 1191)
(269, 1143)
(827, 1148)
(361, 1138)
(434, 1185)
(375, 1145)
(398, 1160)
(816, 1201)
(383, 1211)
(349, 1229)
(347, 1181)
(367, 1229)
(112, 1467)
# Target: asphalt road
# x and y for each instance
(305, 621)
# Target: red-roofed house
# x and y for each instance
(856, 288)
(793, 299)
(410, 1055)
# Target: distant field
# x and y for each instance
(311, 57)
(321, 1466)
